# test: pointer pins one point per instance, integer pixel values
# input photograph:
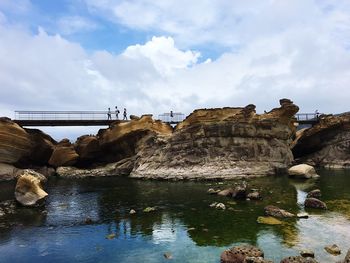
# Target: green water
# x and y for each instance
(183, 224)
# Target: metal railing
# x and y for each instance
(63, 115)
(174, 117)
(307, 116)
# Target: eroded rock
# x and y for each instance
(333, 249)
(29, 191)
(275, 211)
(314, 203)
(238, 254)
(298, 259)
(314, 194)
(63, 154)
(303, 171)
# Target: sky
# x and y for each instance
(155, 56)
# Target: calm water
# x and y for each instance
(183, 225)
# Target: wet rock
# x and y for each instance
(333, 249)
(303, 215)
(254, 196)
(314, 203)
(28, 191)
(275, 211)
(132, 211)
(240, 191)
(226, 192)
(347, 257)
(88, 221)
(212, 191)
(168, 255)
(239, 253)
(110, 236)
(63, 154)
(220, 206)
(33, 173)
(314, 194)
(303, 171)
(256, 260)
(298, 259)
(149, 209)
(213, 204)
(268, 220)
(307, 253)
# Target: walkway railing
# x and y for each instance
(307, 116)
(174, 117)
(63, 115)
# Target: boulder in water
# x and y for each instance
(238, 254)
(275, 211)
(29, 191)
(303, 171)
(314, 203)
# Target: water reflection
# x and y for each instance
(183, 222)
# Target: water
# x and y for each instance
(183, 225)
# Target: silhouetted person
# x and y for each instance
(171, 114)
(124, 115)
(117, 113)
(109, 116)
(317, 114)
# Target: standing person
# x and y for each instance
(109, 115)
(317, 114)
(117, 113)
(124, 114)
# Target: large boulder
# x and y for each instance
(29, 191)
(15, 142)
(303, 171)
(238, 254)
(275, 211)
(314, 203)
(64, 154)
(327, 143)
(222, 143)
(88, 148)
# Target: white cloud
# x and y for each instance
(68, 25)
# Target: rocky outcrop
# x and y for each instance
(28, 191)
(327, 143)
(15, 142)
(88, 148)
(302, 171)
(63, 154)
(220, 143)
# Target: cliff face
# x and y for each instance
(220, 143)
(326, 144)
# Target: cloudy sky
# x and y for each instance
(155, 56)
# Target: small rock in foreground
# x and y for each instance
(333, 249)
(132, 211)
(314, 203)
(28, 191)
(307, 253)
(275, 211)
(238, 254)
(298, 259)
(314, 193)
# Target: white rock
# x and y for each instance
(303, 171)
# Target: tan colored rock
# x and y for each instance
(275, 211)
(64, 154)
(28, 191)
(303, 171)
(7, 172)
(15, 142)
(87, 147)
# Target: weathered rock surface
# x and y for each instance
(314, 193)
(275, 211)
(307, 253)
(88, 148)
(327, 143)
(268, 220)
(303, 171)
(220, 143)
(314, 203)
(15, 142)
(347, 257)
(298, 259)
(28, 191)
(333, 249)
(64, 154)
(122, 167)
(238, 254)
(7, 172)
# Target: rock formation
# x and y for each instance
(28, 190)
(327, 143)
(63, 154)
(302, 171)
(220, 143)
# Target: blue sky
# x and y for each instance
(156, 56)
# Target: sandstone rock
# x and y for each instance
(88, 148)
(29, 191)
(268, 220)
(314, 193)
(275, 211)
(15, 142)
(7, 172)
(239, 253)
(307, 253)
(302, 171)
(220, 144)
(326, 144)
(298, 259)
(314, 203)
(32, 173)
(333, 249)
(64, 154)
(134, 117)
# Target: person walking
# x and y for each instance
(124, 115)
(109, 115)
(117, 113)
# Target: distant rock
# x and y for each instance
(268, 220)
(314, 194)
(303, 171)
(255, 195)
(333, 249)
(149, 209)
(307, 253)
(238, 254)
(132, 211)
(314, 203)
(212, 191)
(298, 259)
(275, 211)
(29, 191)
(226, 192)
(220, 206)
(64, 154)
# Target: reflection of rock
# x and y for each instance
(221, 143)
(268, 220)
(314, 193)
(314, 203)
(238, 254)
(275, 211)
(64, 154)
(15, 142)
(122, 167)
(28, 190)
(340, 206)
(298, 259)
(326, 143)
(302, 171)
